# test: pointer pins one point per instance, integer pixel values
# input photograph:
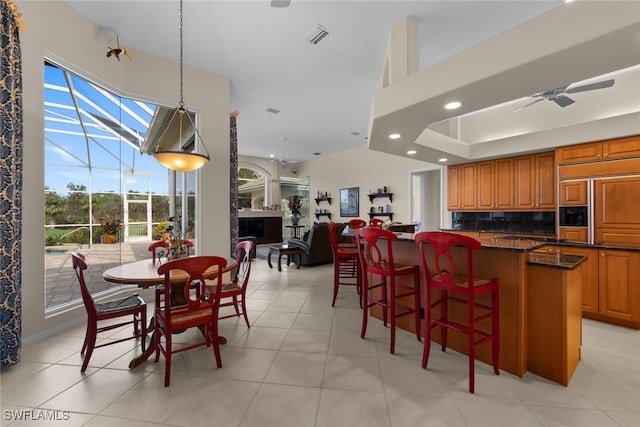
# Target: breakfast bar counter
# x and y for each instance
(508, 261)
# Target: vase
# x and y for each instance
(295, 219)
(110, 238)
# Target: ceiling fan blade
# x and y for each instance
(598, 85)
(563, 101)
(529, 104)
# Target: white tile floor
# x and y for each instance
(303, 363)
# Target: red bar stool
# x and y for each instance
(346, 269)
(448, 278)
(353, 225)
(376, 222)
(376, 260)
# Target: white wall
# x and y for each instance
(368, 170)
(58, 32)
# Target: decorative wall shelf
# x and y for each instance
(323, 199)
(377, 195)
(389, 214)
(319, 214)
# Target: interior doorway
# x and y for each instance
(426, 199)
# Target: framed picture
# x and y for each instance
(349, 201)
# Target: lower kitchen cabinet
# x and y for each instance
(609, 284)
(619, 288)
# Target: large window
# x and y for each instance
(95, 174)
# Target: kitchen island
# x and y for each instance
(509, 262)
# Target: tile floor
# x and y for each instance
(303, 363)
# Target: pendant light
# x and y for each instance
(178, 160)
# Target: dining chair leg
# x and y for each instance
(90, 339)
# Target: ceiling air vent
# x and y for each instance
(316, 35)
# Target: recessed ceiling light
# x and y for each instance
(317, 154)
(272, 155)
(272, 110)
(442, 159)
(394, 136)
(411, 152)
(452, 105)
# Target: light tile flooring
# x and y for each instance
(303, 363)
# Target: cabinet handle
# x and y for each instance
(603, 254)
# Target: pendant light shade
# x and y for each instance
(179, 159)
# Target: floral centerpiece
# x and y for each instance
(295, 204)
(176, 247)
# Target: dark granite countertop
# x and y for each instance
(553, 260)
(511, 245)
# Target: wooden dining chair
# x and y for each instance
(234, 292)
(196, 308)
(100, 311)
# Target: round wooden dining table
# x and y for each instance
(144, 274)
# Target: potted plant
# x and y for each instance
(111, 228)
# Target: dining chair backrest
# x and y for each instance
(375, 249)
(444, 265)
(354, 224)
(79, 266)
(376, 222)
(244, 250)
(194, 290)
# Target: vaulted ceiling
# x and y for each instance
(297, 99)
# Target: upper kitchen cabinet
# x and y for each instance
(495, 184)
(616, 215)
(573, 193)
(535, 182)
(620, 148)
(462, 187)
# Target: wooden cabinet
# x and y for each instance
(619, 288)
(495, 184)
(573, 234)
(616, 210)
(573, 193)
(609, 283)
(619, 148)
(535, 182)
(579, 153)
(462, 192)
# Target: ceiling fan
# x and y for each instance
(558, 96)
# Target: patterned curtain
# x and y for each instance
(11, 140)
(233, 171)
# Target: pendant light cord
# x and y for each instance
(181, 47)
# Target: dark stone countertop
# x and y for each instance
(554, 260)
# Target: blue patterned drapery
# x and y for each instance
(11, 141)
(233, 172)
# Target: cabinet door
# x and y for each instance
(618, 284)
(573, 193)
(616, 210)
(545, 181)
(454, 188)
(469, 187)
(621, 148)
(574, 234)
(486, 185)
(524, 180)
(503, 183)
(579, 153)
